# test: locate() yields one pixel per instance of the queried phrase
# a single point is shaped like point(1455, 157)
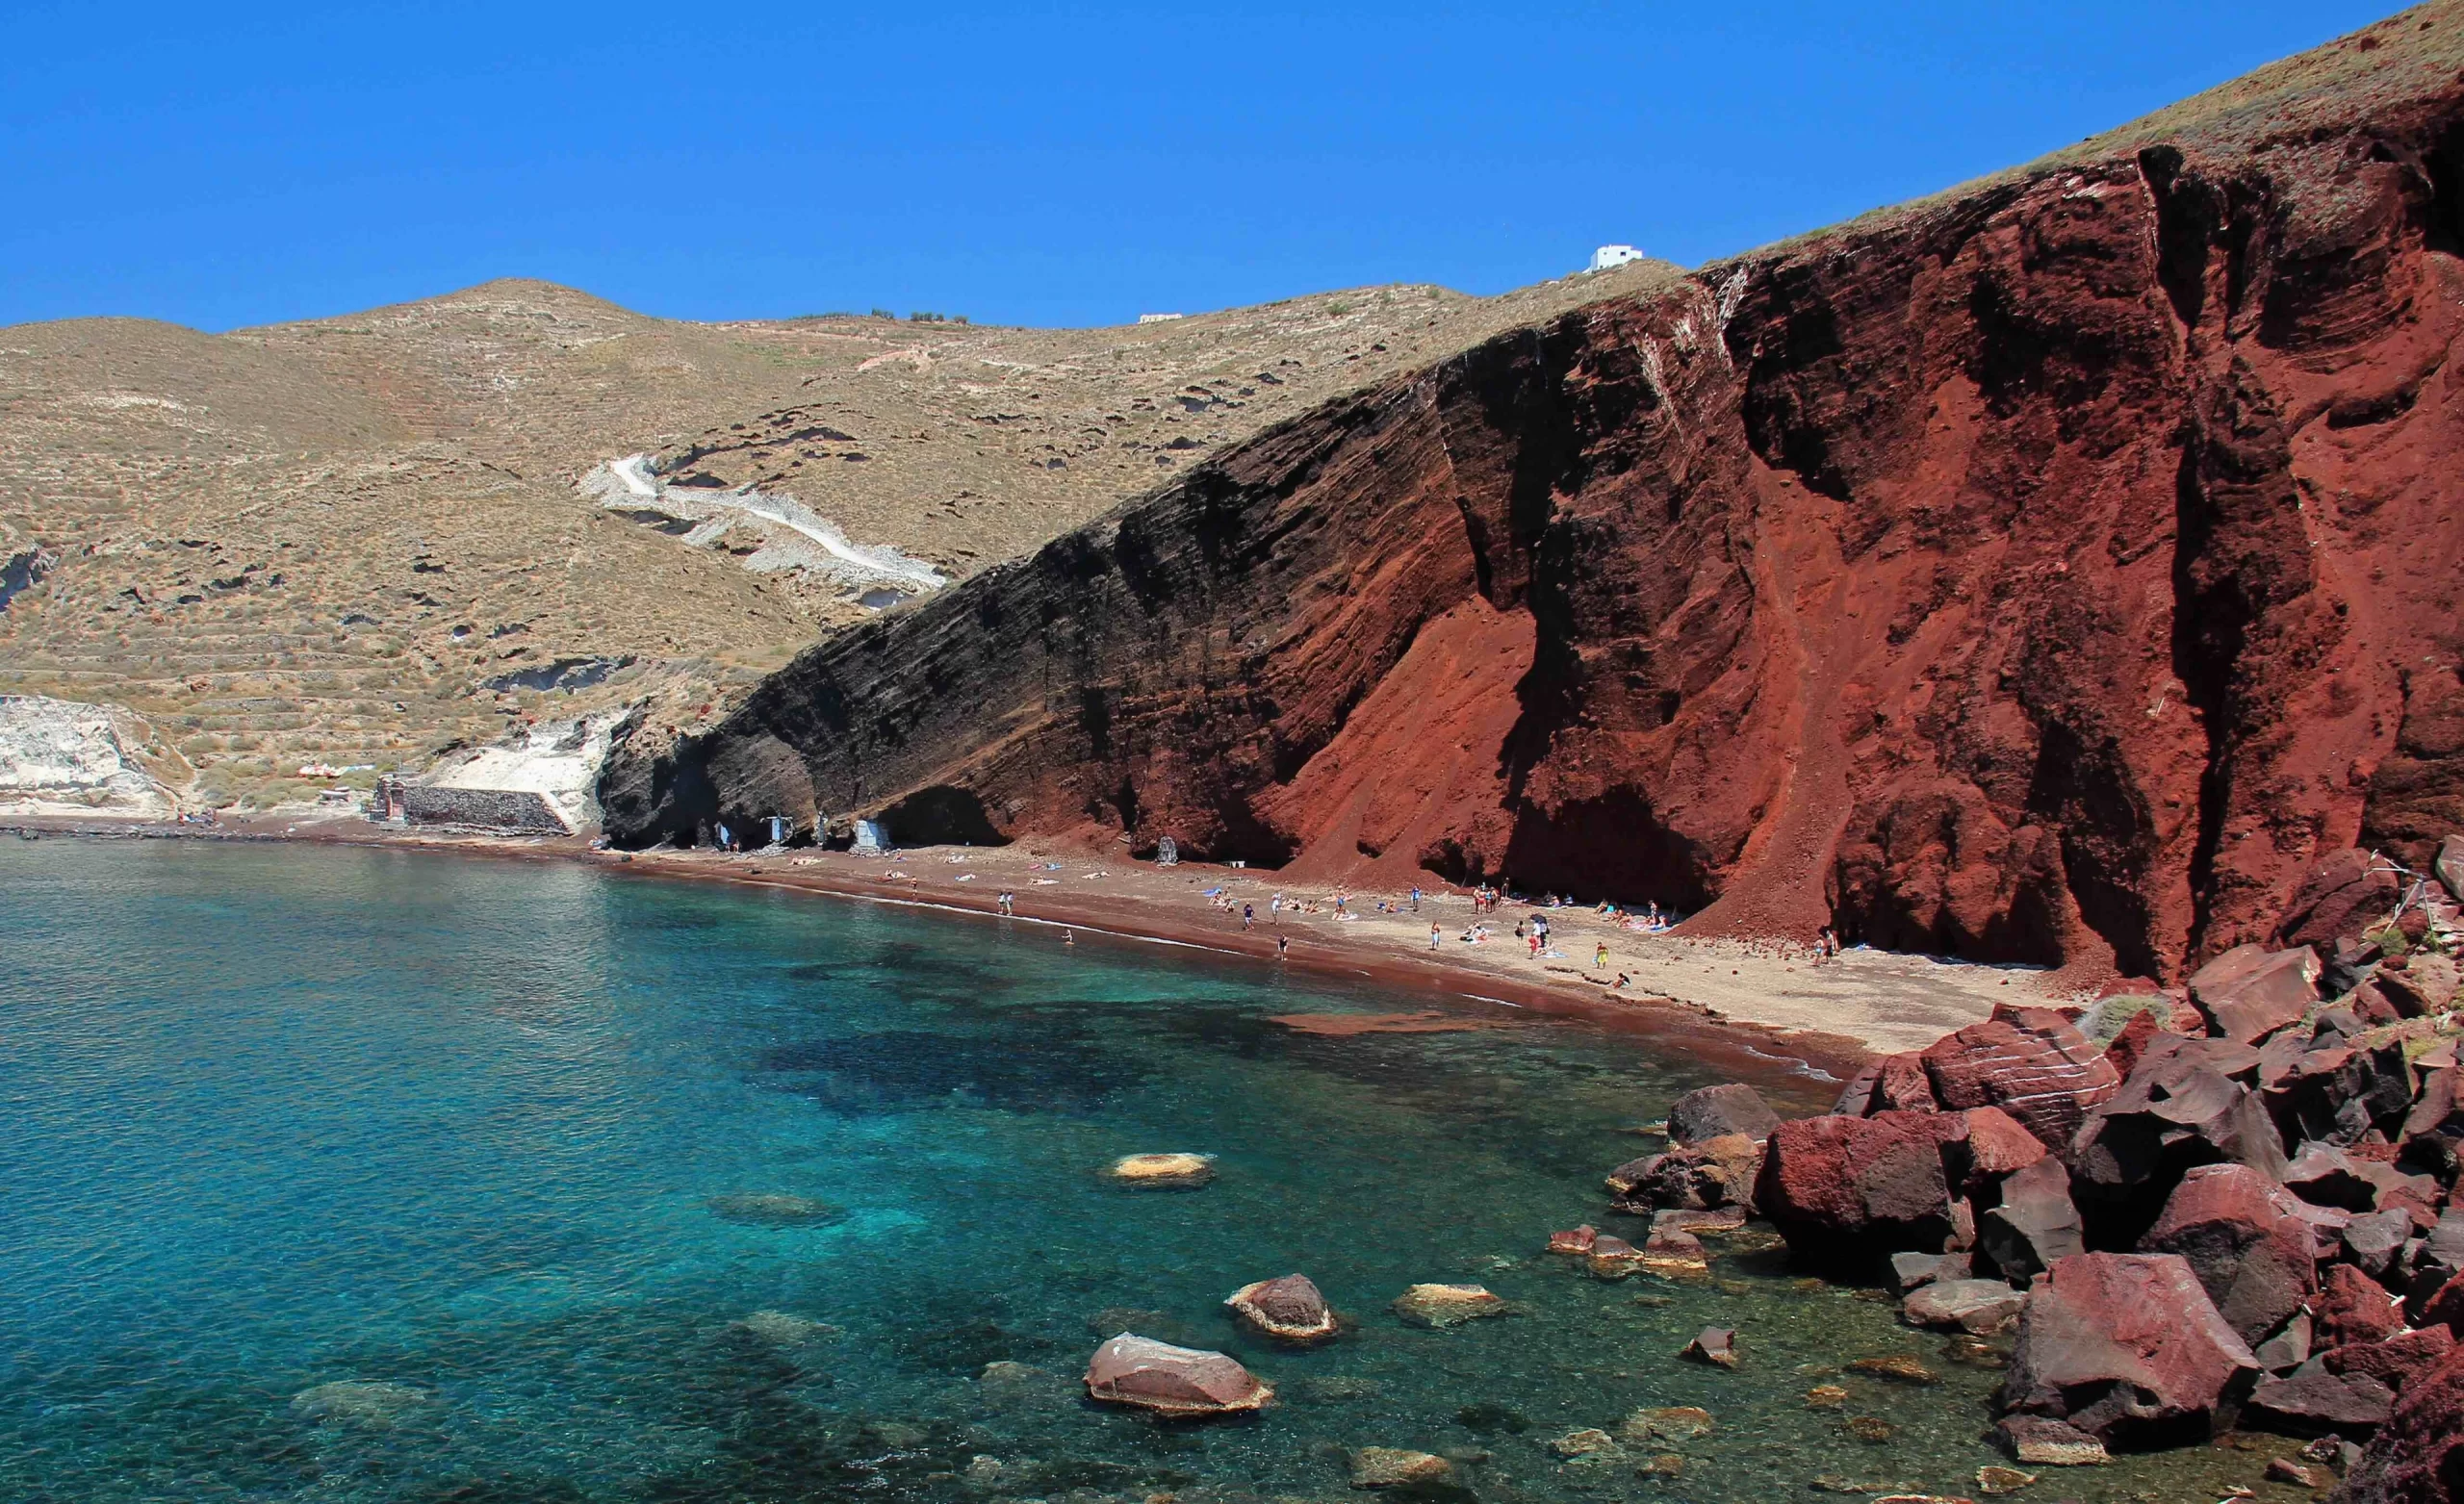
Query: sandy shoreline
point(1762, 1006)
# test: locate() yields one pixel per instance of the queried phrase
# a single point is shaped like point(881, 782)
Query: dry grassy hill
point(361, 539)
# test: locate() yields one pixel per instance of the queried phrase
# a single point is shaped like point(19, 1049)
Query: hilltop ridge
point(358, 541)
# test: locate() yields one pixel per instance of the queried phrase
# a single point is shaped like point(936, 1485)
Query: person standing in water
point(1282, 943)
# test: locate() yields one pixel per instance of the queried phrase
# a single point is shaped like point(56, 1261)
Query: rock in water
point(2126, 1348)
point(775, 1210)
point(1716, 1345)
point(1172, 1381)
point(1163, 1171)
point(1391, 1466)
point(1896, 1368)
point(1574, 1241)
point(1612, 1258)
point(367, 1404)
point(1850, 1191)
point(1442, 1306)
point(1980, 1306)
point(2039, 1442)
point(1715, 1111)
point(1288, 1309)
point(1668, 1423)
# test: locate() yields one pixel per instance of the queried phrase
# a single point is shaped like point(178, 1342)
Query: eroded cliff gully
point(2049, 573)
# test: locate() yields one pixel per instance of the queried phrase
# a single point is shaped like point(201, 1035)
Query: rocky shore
point(2230, 1204)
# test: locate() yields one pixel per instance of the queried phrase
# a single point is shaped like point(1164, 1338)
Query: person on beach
point(1600, 954)
point(1416, 898)
point(1274, 908)
point(1282, 943)
point(1248, 916)
point(1434, 934)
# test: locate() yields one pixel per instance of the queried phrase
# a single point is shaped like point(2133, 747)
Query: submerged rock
point(1667, 1423)
point(1897, 1369)
point(775, 1210)
point(1391, 1466)
point(1589, 1443)
point(1442, 1306)
point(784, 1329)
point(1163, 1171)
point(372, 1405)
point(1978, 1306)
point(1288, 1309)
point(1172, 1381)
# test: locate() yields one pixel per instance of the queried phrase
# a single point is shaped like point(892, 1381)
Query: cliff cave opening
point(941, 816)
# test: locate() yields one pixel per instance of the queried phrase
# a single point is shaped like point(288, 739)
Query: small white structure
point(1159, 318)
point(1609, 256)
point(872, 839)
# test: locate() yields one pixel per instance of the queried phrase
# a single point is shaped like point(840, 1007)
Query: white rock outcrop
point(556, 760)
point(62, 757)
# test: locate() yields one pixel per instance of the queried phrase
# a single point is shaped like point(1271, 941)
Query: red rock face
point(2052, 572)
point(2418, 1457)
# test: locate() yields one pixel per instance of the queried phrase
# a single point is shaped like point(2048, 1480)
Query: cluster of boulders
point(2232, 1200)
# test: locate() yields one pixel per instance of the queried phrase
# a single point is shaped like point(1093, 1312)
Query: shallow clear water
point(279, 1118)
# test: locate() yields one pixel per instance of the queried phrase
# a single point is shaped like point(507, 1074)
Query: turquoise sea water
point(458, 1136)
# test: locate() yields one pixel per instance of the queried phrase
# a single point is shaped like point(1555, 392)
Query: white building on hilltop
point(1609, 256)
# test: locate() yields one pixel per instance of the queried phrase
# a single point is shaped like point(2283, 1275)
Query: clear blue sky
point(1016, 163)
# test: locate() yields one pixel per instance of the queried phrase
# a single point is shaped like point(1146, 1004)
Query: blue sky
point(1025, 164)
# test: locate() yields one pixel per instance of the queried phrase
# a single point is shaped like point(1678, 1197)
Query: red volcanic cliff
point(2052, 571)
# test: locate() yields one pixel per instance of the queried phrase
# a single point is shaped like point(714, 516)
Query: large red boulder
point(2034, 1224)
point(1986, 1145)
point(2353, 1307)
point(2245, 1239)
point(2344, 893)
point(2128, 1348)
point(2184, 1105)
point(1172, 1381)
point(1850, 1190)
point(2395, 1362)
point(1894, 1084)
point(2250, 991)
point(2418, 1456)
point(2031, 1062)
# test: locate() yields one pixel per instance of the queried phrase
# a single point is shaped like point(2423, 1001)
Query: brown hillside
point(324, 541)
